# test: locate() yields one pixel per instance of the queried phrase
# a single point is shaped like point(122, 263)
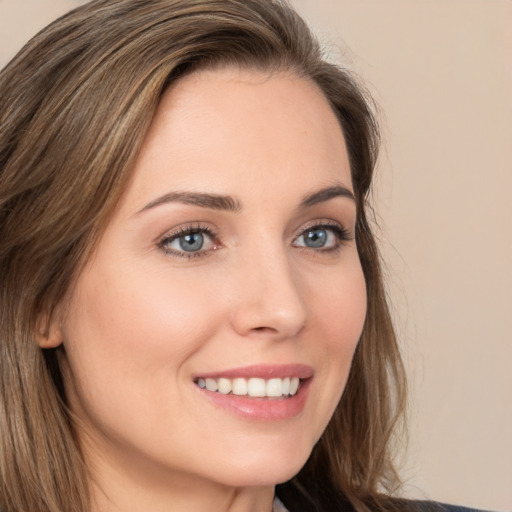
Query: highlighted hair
point(75, 105)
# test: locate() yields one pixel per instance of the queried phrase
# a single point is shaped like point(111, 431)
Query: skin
point(143, 319)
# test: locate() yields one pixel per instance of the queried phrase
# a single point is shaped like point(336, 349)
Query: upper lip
point(262, 371)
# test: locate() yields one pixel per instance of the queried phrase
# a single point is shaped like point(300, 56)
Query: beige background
point(441, 71)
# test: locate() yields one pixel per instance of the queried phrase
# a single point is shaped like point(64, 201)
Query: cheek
point(128, 339)
point(129, 335)
point(340, 308)
point(122, 313)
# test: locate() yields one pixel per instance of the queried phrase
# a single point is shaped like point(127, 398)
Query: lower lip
point(261, 409)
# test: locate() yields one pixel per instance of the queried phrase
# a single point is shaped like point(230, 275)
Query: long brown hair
point(75, 105)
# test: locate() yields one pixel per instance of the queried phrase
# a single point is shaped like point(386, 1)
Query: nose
point(268, 301)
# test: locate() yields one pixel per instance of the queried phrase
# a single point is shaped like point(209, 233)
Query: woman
point(192, 308)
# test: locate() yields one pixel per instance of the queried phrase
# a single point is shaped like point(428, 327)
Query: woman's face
point(228, 275)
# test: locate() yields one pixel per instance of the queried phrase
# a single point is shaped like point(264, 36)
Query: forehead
point(228, 129)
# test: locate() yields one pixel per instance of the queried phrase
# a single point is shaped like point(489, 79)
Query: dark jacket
point(296, 501)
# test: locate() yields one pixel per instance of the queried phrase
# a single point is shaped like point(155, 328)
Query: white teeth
point(254, 387)
point(239, 387)
point(211, 385)
point(286, 386)
point(294, 385)
point(274, 387)
point(224, 386)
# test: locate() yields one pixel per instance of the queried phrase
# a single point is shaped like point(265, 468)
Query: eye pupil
point(192, 242)
point(315, 238)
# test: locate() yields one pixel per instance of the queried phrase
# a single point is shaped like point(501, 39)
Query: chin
point(262, 477)
point(260, 469)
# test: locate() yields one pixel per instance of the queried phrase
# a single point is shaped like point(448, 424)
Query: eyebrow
point(212, 201)
point(230, 204)
point(325, 194)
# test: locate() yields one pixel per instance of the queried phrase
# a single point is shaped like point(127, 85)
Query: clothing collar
point(278, 506)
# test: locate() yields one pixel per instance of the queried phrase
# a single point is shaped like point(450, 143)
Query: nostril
point(264, 329)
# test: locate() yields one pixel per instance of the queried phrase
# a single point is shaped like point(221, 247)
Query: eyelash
point(342, 236)
point(184, 231)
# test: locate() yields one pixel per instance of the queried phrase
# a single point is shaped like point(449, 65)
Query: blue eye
point(192, 242)
point(316, 238)
point(188, 242)
point(323, 237)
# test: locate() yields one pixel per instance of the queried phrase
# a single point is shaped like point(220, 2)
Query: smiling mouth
point(253, 387)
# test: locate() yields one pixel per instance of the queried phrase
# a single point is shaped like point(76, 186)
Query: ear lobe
point(49, 332)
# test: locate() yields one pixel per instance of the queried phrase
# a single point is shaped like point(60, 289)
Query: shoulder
point(295, 498)
point(398, 506)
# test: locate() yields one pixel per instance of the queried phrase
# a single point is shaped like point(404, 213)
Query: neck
point(234, 500)
point(132, 490)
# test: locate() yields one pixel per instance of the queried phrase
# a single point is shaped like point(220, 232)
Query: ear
point(49, 331)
